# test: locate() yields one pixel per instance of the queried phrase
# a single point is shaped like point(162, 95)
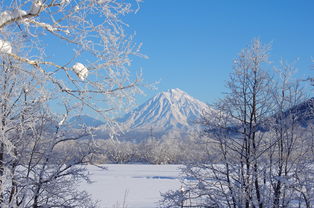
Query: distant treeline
point(152, 151)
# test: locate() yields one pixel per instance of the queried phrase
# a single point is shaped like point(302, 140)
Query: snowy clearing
point(138, 185)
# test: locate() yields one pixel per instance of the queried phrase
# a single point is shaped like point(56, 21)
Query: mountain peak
point(176, 90)
point(173, 95)
point(169, 110)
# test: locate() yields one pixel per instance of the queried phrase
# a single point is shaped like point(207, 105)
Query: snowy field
point(136, 186)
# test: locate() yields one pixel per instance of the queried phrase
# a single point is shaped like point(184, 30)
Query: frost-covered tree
point(260, 145)
point(119, 152)
point(48, 166)
point(288, 142)
point(90, 70)
point(94, 66)
point(152, 151)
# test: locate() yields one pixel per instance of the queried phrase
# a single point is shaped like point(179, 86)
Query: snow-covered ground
point(136, 186)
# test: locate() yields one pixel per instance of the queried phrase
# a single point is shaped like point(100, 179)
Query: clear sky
point(191, 43)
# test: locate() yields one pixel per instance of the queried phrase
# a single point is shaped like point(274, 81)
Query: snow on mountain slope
point(170, 110)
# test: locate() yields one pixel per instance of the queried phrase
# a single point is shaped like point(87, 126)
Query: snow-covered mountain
point(173, 112)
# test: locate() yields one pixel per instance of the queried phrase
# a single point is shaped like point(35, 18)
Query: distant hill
point(302, 113)
point(84, 120)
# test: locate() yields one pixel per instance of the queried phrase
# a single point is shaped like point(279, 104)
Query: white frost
point(103, 1)
point(65, 2)
point(76, 8)
point(5, 16)
point(18, 13)
point(47, 26)
point(80, 70)
point(36, 7)
point(10, 15)
point(62, 120)
point(5, 46)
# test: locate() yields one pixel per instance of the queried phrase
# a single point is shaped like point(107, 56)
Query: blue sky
point(191, 44)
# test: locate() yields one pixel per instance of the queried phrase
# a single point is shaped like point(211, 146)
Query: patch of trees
point(152, 151)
